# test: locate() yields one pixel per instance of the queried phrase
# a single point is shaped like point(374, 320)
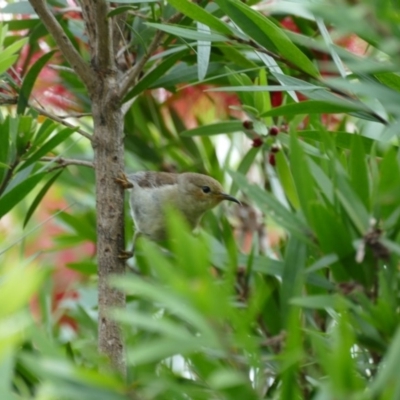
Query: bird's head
point(202, 191)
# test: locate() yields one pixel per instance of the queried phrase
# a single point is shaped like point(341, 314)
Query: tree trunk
point(109, 163)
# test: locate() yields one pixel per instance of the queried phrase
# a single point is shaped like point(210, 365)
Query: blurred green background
point(293, 107)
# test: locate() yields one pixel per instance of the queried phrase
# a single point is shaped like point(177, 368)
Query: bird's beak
point(226, 196)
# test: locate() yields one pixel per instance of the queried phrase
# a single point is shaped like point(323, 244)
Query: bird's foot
point(123, 181)
point(125, 255)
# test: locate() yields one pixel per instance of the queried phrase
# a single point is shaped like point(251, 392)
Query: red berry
point(248, 124)
point(271, 159)
point(275, 148)
point(274, 130)
point(257, 142)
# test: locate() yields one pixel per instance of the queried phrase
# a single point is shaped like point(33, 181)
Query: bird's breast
point(148, 209)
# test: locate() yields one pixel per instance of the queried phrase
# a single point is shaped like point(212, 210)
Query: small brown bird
point(190, 193)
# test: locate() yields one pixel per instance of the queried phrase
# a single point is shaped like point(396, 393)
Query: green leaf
point(292, 278)
point(45, 130)
point(324, 183)
point(323, 95)
point(329, 44)
point(132, 1)
point(184, 73)
point(236, 56)
point(65, 380)
point(318, 302)
point(314, 107)
point(388, 374)
point(8, 56)
point(58, 138)
point(171, 301)
point(266, 33)
point(333, 236)
point(7, 365)
point(243, 80)
point(40, 196)
point(151, 77)
point(389, 79)
point(3, 33)
point(157, 350)
point(203, 52)
point(82, 225)
point(29, 81)
point(13, 48)
point(286, 179)
point(6, 63)
point(18, 193)
point(86, 267)
point(187, 33)
point(197, 13)
point(302, 177)
point(4, 146)
point(163, 326)
point(351, 202)
point(358, 170)
point(244, 166)
point(215, 129)
point(342, 139)
point(268, 88)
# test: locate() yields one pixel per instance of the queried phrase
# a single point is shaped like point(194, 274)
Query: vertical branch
point(90, 25)
point(108, 147)
point(108, 160)
point(100, 33)
point(103, 43)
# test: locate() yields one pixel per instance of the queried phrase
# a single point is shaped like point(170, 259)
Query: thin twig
point(69, 9)
point(74, 115)
point(60, 120)
point(68, 161)
point(64, 44)
point(8, 100)
point(64, 162)
point(61, 68)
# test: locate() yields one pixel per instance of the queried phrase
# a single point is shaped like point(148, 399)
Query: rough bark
point(108, 160)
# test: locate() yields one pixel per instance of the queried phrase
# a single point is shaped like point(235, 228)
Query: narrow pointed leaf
point(215, 129)
point(48, 146)
point(203, 52)
point(18, 193)
point(314, 107)
point(159, 71)
point(29, 81)
point(40, 196)
point(266, 33)
point(188, 33)
point(197, 13)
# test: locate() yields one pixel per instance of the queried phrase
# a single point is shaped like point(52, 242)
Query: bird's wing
point(148, 179)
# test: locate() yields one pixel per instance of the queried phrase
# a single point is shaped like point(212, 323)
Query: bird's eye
point(206, 189)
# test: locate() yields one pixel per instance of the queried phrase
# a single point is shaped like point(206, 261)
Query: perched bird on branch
point(190, 193)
